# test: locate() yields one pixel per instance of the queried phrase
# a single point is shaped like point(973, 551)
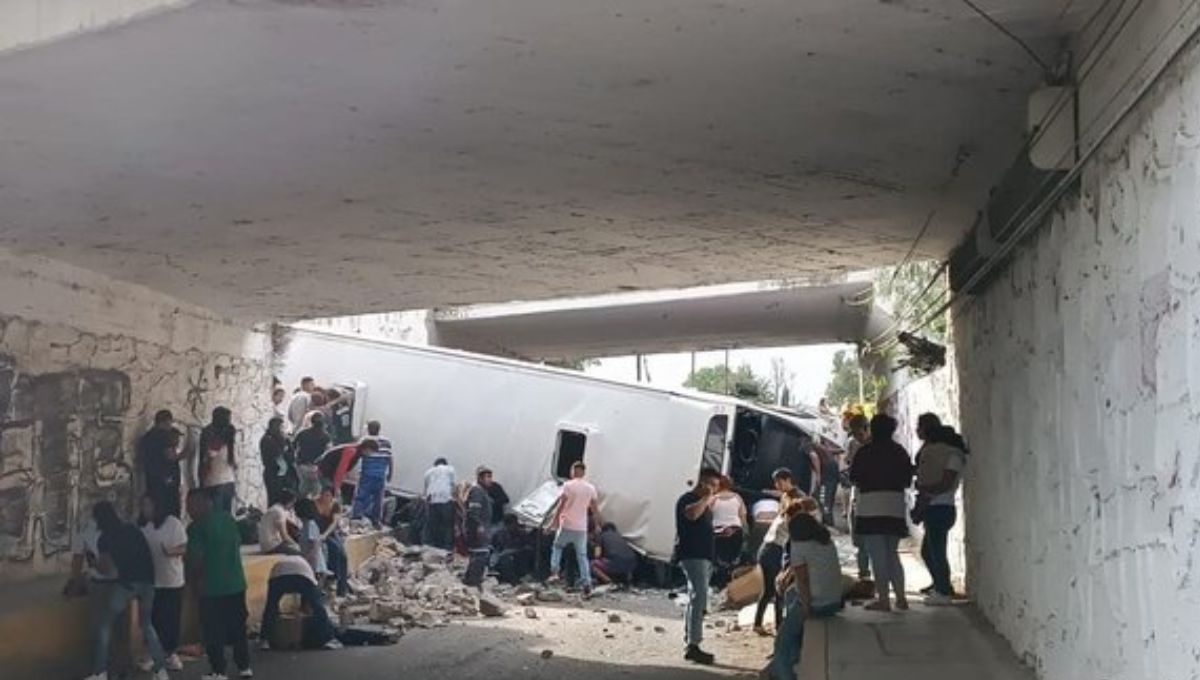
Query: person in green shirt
point(214, 559)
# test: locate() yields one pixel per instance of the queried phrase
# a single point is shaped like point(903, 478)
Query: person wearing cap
point(475, 528)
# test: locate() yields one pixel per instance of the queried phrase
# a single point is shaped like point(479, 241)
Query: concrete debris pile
point(409, 586)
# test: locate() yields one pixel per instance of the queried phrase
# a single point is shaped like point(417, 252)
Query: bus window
point(570, 450)
point(714, 444)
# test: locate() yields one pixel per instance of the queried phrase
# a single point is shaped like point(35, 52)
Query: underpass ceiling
point(302, 158)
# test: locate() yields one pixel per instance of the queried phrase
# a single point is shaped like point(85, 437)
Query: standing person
point(373, 429)
point(301, 400)
point(329, 514)
point(167, 539)
point(830, 479)
point(439, 499)
point(279, 408)
point(279, 466)
point(214, 559)
point(95, 580)
point(617, 560)
point(695, 549)
point(939, 473)
point(860, 435)
point(771, 552)
point(311, 443)
point(159, 454)
point(293, 574)
point(312, 545)
point(882, 472)
point(124, 551)
point(729, 526)
point(341, 416)
point(276, 526)
point(499, 498)
point(812, 588)
point(218, 461)
point(375, 472)
point(476, 528)
point(347, 481)
point(576, 499)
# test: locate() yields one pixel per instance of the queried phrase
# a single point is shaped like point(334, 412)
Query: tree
point(741, 382)
point(843, 384)
point(573, 364)
point(781, 380)
point(911, 293)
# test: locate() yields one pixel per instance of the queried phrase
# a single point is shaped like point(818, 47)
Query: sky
point(810, 365)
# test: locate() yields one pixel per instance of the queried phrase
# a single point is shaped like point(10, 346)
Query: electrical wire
point(1012, 36)
point(1099, 48)
point(1034, 217)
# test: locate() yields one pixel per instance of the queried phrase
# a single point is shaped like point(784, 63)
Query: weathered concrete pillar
point(85, 361)
point(1080, 396)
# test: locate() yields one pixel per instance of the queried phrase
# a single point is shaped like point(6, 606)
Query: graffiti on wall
point(62, 447)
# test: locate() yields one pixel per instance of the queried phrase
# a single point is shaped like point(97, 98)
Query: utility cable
point(1012, 36)
point(1034, 217)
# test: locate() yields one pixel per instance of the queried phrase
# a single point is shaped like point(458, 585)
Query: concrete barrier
point(44, 635)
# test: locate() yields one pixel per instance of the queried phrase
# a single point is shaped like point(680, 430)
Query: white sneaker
point(174, 663)
point(938, 600)
point(146, 665)
point(98, 676)
point(214, 676)
point(334, 644)
point(247, 673)
point(161, 674)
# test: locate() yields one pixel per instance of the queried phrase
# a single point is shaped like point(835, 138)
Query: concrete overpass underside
point(722, 317)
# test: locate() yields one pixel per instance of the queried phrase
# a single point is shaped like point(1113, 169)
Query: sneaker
point(697, 655)
point(265, 645)
point(214, 676)
point(938, 600)
point(174, 663)
point(927, 590)
point(334, 644)
point(902, 604)
point(161, 674)
point(145, 665)
point(97, 676)
point(246, 673)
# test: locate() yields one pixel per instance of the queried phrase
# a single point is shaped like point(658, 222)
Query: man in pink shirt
point(575, 500)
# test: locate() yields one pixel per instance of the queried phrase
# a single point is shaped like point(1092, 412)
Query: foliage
point(741, 382)
point(843, 384)
point(903, 291)
point(573, 364)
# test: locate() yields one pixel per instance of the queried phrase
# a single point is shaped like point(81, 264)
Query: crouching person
point(812, 588)
point(293, 574)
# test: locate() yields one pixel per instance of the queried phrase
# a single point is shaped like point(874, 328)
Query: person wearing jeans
point(576, 501)
point(813, 589)
point(123, 550)
point(882, 473)
point(695, 549)
point(293, 574)
point(939, 519)
point(939, 471)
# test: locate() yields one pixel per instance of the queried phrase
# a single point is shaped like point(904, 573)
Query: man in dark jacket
point(159, 455)
point(475, 529)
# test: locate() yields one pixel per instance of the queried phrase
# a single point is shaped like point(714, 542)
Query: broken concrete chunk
point(490, 606)
point(526, 599)
point(551, 595)
point(531, 613)
point(614, 618)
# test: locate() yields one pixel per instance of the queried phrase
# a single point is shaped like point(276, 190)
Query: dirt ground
point(585, 641)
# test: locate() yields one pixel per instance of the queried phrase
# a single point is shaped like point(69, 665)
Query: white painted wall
point(414, 326)
point(1080, 395)
point(25, 23)
point(85, 361)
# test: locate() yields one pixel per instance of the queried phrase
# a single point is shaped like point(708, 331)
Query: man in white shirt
point(298, 406)
point(293, 574)
point(273, 535)
point(439, 496)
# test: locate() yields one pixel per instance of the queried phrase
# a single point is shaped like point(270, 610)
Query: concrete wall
point(414, 326)
point(84, 363)
point(1080, 395)
point(25, 23)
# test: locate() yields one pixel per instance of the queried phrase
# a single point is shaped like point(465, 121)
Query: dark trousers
point(770, 560)
point(223, 620)
point(310, 597)
point(168, 607)
point(729, 553)
point(829, 487)
point(939, 519)
point(166, 496)
point(439, 528)
point(339, 563)
point(222, 496)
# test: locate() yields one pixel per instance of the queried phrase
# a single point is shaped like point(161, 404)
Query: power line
point(1012, 36)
